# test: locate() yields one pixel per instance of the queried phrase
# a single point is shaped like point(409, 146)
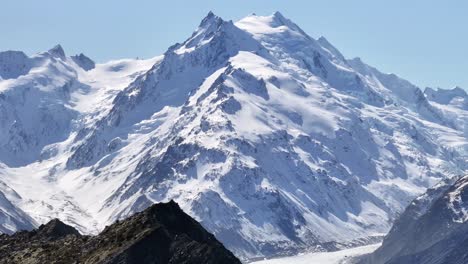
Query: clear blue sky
point(423, 41)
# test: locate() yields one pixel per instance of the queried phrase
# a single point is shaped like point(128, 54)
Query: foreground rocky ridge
point(432, 230)
point(163, 233)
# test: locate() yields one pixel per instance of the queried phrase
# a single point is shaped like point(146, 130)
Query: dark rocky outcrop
point(163, 233)
point(84, 62)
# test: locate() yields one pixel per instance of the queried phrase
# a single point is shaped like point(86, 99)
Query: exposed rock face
point(13, 64)
point(84, 62)
point(163, 233)
point(432, 230)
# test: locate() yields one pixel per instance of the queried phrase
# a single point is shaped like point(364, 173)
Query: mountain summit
point(271, 139)
point(57, 51)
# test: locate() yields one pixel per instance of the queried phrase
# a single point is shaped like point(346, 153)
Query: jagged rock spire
point(57, 51)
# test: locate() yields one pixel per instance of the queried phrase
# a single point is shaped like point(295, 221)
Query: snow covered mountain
point(432, 230)
point(49, 100)
point(270, 138)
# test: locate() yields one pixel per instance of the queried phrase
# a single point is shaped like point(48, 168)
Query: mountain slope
point(432, 230)
point(40, 110)
point(162, 233)
point(12, 218)
point(270, 138)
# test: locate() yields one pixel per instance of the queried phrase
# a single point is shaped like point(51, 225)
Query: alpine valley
point(271, 139)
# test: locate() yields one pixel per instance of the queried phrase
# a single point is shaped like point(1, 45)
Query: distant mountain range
point(271, 139)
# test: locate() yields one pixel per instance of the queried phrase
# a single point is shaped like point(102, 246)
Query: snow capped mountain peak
point(278, 15)
point(57, 51)
point(205, 31)
point(448, 100)
point(278, 20)
point(210, 19)
point(274, 23)
point(270, 138)
point(14, 64)
point(215, 31)
point(210, 23)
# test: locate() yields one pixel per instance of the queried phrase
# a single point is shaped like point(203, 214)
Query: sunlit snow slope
point(270, 138)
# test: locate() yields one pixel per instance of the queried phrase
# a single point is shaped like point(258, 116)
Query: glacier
point(272, 139)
